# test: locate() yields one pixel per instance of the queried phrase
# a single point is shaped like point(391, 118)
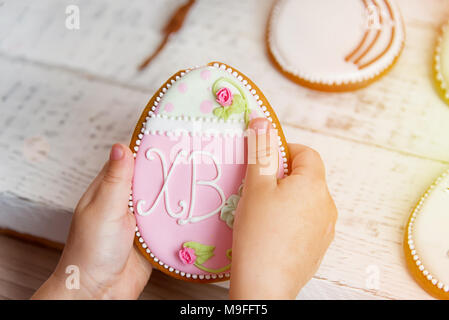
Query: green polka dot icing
point(194, 90)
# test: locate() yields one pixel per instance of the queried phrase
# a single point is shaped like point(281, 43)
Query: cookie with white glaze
point(190, 160)
point(335, 45)
point(441, 65)
point(426, 242)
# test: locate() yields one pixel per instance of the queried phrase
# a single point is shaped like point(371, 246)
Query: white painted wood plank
point(56, 130)
point(24, 267)
point(375, 191)
point(374, 188)
point(113, 38)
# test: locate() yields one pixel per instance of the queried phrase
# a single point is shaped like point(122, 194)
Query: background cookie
point(441, 66)
point(186, 183)
point(426, 241)
point(335, 45)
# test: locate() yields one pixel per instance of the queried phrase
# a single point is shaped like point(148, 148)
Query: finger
point(263, 153)
point(306, 161)
point(112, 194)
point(91, 189)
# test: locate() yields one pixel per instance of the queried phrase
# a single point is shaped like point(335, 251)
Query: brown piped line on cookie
point(376, 37)
point(362, 42)
point(390, 43)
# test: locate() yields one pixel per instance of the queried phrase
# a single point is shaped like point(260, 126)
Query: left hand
point(100, 242)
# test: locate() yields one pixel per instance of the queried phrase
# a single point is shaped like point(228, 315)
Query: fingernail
point(116, 152)
point(260, 125)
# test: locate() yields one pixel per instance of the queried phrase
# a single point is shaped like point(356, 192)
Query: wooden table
point(67, 95)
point(25, 266)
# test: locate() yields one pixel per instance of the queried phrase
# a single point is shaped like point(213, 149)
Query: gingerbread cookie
point(441, 66)
point(190, 162)
point(426, 242)
point(335, 45)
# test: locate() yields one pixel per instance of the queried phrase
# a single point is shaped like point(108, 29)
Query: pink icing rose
point(224, 97)
point(187, 255)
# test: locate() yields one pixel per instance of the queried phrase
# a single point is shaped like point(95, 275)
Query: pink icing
point(224, 97)
point(187, 255)
point(205, 74)
point(161, 232)
point(168, 107)
point(206, 106)
point(182, 87)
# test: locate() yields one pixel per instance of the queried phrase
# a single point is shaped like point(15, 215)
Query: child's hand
point(100, 242)
point(282, 228)
point(281, 232)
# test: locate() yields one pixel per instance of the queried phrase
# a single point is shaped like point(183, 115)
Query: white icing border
point(438, 74)
point(143, 132)
point(353, 78)
point(158, 123)
point(411, 244)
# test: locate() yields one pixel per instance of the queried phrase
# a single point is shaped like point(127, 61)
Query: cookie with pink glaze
point(190, 161)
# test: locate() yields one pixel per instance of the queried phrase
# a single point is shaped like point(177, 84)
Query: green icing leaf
point(202, 252)
point(227, 113)
point(238, 104)
point(247, 116)
point(218, 112)
point(216, 85)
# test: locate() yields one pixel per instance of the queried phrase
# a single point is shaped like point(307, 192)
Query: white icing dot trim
point(174, 125)
point(193, 119)
point(437, 66)
point(413, 252)
point(144, 131)
point(206, 134)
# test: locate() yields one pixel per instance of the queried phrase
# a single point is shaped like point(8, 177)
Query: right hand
point(282, 227)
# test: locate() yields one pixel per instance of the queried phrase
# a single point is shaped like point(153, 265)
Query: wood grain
point(24, 267)
point(67, 96)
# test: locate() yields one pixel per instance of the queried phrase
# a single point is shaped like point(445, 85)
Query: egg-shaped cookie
point(426, 242)
point(190, 149)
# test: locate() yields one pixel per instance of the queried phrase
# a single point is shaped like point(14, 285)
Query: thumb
point(263, 153)
point(112, 195)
